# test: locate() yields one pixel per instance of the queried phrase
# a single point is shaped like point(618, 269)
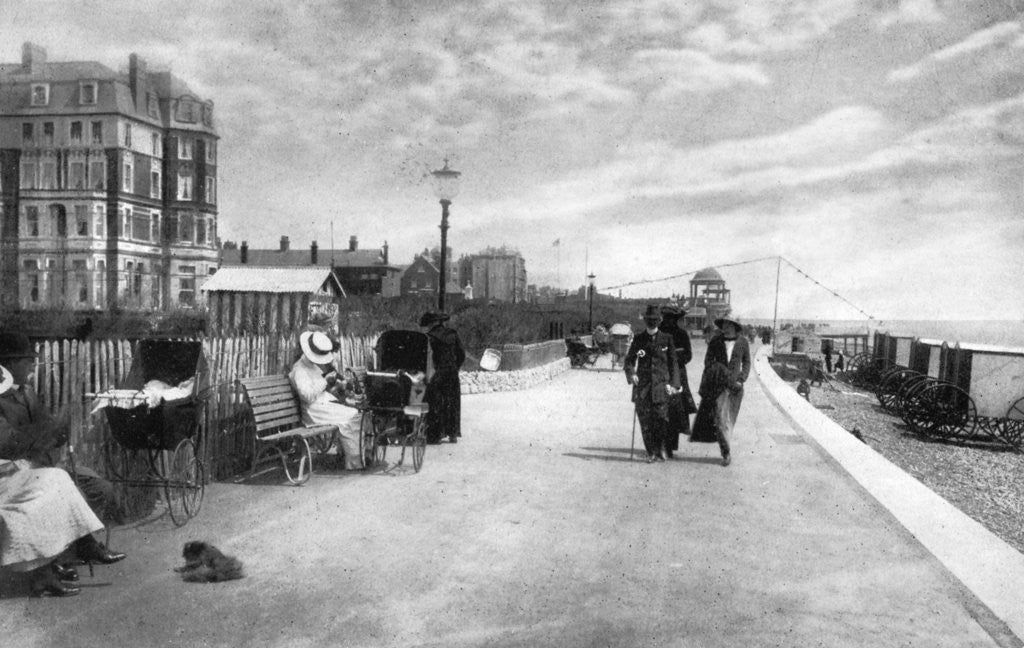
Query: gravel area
point(985, 481)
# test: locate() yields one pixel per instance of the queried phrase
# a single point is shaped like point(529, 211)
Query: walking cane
point(632, 441)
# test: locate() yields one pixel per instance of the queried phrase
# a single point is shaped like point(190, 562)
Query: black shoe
point(45, 583)
point(726, 460)
point(66, 574)
point(92, 551)
point(650, 458)
point(453, 439)
point(669, 454)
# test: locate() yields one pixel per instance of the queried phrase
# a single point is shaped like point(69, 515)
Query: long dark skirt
point(705, 425)
point(678, 421)
point(444, 395)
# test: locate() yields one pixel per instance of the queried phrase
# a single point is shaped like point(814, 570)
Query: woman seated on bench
point(43, 514)
point(313, 376)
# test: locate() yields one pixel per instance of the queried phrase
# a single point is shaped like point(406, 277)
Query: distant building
point(709, 299)
point(108, 183)
point(360, 272)
point(495, 274)
point(422, 277)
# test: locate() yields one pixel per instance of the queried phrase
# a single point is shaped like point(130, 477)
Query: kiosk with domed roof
point(709, 299)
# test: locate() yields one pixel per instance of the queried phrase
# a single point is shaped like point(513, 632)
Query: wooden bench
point(280, 432)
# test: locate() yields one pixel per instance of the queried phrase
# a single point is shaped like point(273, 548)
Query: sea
point(1004, 333)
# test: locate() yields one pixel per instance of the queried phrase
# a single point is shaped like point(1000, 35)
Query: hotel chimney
point(284, 243)
point(313, 253)
point(243, 252)
point(353, 243)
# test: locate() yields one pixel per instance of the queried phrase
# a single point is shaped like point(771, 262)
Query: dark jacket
point(446, 348)
point(657, 367)
point(738, 367)
point(28, 431)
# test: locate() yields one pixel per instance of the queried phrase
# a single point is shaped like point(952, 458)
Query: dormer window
point(186, 110)
point(40, 94)
point(152, 105)
point(87, 92)
point(208, 114)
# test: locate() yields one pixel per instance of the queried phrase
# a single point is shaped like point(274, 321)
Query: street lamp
point(446, 187)
point(590, 290)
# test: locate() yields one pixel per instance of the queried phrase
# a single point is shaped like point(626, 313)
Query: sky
point(874, 145)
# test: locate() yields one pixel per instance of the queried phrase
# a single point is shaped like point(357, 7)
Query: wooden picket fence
point(70, 373)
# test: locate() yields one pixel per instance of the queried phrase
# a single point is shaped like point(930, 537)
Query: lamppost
point(446, 187)
point(590, 291)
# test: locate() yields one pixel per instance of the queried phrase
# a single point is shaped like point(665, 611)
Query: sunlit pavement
point(540, 528)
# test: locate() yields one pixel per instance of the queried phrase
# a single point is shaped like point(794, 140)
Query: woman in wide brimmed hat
point(444, 391)
point(726, 367)
point(312, 376)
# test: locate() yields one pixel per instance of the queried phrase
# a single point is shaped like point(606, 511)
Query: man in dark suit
point(652, 368)
point(444, 393)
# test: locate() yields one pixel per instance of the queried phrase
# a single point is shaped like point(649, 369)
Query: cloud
point(911, 12)
point(668, 73)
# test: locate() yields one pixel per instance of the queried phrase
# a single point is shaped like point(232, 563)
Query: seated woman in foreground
point(42, 515)
point(313, 376)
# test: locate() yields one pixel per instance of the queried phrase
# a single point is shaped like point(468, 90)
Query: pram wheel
point(418, 440)
point(185, 484)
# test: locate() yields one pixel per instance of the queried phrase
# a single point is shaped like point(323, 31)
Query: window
point(184, 148)
point(208, 114)
point(211, 190)
point(27, 134)
point(184, 184)
point(40, 94)
point(31, 220)
point(76, 132)
point(155, 178)
point(49, 169)
point(172, 225)
point(87, 92)
point(81, 270)
point(156, 145)
point(152, 105)
point(98, 175)
point(187, 285)
point(76, 174)
point(128, 169)
point(97, 132)
point(101, 281)
point(140, 270)
point(200, 231)
point(187, 109)
point(126, 223)
point(140, 226)
point(47, 133)
point(155, 229)
point(129, 270)
point(31, 267)
point(100, 220)
point(187, 227)
point(211, 151)
point(81, 220)
point(128, 135)
point(28, 175)
point(59, 220)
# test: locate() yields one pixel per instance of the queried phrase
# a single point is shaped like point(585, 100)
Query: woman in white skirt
point(309, 377)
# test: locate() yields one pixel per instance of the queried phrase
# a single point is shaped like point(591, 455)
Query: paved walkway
point(539, 529)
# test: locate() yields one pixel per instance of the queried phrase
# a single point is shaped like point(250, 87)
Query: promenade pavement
point(540, 528)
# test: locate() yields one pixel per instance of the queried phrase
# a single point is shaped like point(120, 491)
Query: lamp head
point(446, 182)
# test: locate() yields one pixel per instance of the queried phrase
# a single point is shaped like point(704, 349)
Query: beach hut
point(272, 299)
point(926, 356)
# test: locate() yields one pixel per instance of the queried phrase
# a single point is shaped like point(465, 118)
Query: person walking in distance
point(444, 393)
point(652, 368)
point(680, 405)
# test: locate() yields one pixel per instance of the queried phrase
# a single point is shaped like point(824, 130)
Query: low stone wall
point(515, 357)
point(479, 382)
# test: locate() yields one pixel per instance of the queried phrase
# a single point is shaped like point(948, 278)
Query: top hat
point(317, 346)
point(652, 313)
point(430, 318)
point(735, 322)
point(14, 346)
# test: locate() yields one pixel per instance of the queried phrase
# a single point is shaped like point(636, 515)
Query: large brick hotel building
point(108, 183)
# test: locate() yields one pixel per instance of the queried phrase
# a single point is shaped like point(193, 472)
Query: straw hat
point(6, 380)
point(318, 347)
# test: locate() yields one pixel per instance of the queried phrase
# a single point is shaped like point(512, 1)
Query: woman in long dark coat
point(680, 405)
point(444, 393)
point(726, 367)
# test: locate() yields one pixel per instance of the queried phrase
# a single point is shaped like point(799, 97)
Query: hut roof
point(707, 274)
point(271, 279)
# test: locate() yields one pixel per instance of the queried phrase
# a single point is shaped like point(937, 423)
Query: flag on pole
point(557, 242)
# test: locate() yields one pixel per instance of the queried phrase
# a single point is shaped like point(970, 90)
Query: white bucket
point(490, 360)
